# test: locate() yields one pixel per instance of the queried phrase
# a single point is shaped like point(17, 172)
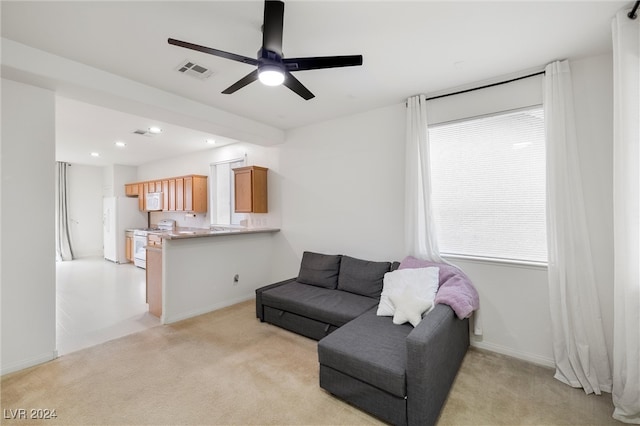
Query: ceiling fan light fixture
point(270, 75)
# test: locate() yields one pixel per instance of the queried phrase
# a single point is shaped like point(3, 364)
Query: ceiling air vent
point(141, 132)
point(192, 69)
point(151, 131)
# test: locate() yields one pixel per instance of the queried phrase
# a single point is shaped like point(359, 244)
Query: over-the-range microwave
point(153, 201)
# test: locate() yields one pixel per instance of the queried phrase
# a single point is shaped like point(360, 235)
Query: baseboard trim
point(89, 254)
point(525, 356)
point(29, 362)
point(169, 319)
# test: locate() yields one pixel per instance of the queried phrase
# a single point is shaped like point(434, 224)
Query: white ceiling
point(83, 128)
point(408, 48)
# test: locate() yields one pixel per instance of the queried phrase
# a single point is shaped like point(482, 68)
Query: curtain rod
point(632, 14)
point(487, 85)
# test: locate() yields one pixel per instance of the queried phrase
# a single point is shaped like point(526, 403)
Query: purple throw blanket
point(455, 288)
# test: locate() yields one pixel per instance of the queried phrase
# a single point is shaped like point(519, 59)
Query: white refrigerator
point(118, 215)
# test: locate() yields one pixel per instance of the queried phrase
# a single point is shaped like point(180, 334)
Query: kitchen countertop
point(215, 231)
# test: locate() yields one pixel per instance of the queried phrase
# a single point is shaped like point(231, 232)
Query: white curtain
point(626, 218)
point(420, 232)
point(63, 238)
point(579, 346)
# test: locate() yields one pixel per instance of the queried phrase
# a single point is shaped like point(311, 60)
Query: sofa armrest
point(435, 350)
point(259, 311)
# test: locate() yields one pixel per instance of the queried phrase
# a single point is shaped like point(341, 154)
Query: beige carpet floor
point(227, 368)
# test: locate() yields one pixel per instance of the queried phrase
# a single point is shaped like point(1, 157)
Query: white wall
point(115, 176)
point(342, 184)
point(198, 272)
point(28, 239)
point(85, 209)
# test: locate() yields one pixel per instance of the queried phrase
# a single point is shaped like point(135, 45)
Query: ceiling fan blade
point(314, 63)
point(294, 84)
point(215, 52)
point(273, 26)
point(249, 78)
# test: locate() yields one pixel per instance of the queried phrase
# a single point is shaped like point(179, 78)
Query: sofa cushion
point(333, 307)
point(319, 269)
point(371, 349)
point(362, 276)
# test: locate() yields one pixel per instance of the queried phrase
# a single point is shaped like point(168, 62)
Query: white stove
point(140, 241)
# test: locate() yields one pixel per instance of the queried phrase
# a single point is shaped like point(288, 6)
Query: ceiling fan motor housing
point(268, 57)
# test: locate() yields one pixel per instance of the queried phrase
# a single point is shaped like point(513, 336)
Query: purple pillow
point(455, 288)
point(446, 271)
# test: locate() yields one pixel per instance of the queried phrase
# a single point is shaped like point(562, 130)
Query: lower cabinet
point(128, 246)
point(154, 280)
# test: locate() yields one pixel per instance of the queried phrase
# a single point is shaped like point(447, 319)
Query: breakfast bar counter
point(184, 233)
point(207, 269)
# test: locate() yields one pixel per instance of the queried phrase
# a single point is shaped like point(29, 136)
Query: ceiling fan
point(272, 68)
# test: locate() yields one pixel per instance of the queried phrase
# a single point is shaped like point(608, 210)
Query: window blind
point(488, 186)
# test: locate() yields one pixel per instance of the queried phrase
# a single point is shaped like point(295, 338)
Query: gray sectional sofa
point(397, 373)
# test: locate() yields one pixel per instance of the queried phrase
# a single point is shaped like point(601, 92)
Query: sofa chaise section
point(398, 373)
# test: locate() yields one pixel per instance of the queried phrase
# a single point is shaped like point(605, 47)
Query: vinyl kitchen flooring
point(97, 301)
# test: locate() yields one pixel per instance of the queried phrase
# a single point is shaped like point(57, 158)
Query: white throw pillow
point(409, 308)
point(420, 283)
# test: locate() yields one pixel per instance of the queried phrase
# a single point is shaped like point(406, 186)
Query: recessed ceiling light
point(95, 154)
point(155, 130)
point(120, 144)
point(211, 141)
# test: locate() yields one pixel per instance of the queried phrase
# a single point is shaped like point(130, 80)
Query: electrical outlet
point(236, 279)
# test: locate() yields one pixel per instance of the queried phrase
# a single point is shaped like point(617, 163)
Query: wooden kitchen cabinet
point(185, 193)
point(195, 194)
point(188, 193)
point(250, 184)
point(131, 190)
point(141, 196)
point(154, 279)
point(129, 246)
point(172, 195)
point(179, 194)
point(165, 195)
point(154, 240)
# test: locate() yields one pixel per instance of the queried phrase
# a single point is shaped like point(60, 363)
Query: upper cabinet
point(195, 194)
point(131, 190)
point(250, 189)
point(184, 193)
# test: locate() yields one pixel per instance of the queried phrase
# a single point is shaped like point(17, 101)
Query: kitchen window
point(222, 193)
point(488, 186)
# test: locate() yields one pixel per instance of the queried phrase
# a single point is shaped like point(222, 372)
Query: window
point(488, 186)
point(222, 193)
